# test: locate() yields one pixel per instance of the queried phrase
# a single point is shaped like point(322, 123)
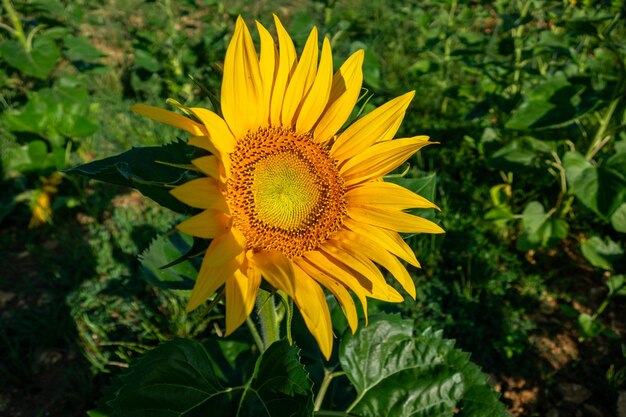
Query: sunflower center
point(285, 192)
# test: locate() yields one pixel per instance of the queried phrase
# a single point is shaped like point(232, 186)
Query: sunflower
point(286, 197)
point(41, 203)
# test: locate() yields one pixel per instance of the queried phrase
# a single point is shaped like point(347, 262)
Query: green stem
point(288, 306)
point(266, 310)
point(602, 307)
point(18, 31)
point(255, 334)
point(606, 301)
point(599, 140)
point(517, 34)
point(328, 376)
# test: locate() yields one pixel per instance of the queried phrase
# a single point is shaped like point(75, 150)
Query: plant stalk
point(328, 376)
point(599, 140)
point(266, 310)
point(18, 30)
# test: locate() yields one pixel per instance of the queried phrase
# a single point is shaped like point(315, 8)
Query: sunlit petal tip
point(240, 21)
point(169, 118)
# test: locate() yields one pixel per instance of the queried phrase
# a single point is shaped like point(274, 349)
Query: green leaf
point(182, 378)
point(588, 326)
point(79, 48)
point(602, 254)
point(396, 373)
point(602, 189)
point(522, 152)
point(549, 104)
point(51, 7)
point(499, 213)
point(39, 62)
point(144, 60)
point(617, 285)
point(55, 114)
point(540, 230)
point(162, 251)
point(618, 218)
point(37, 152)
point(144, 169)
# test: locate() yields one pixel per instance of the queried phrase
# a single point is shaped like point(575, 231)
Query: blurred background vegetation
point(527, 100)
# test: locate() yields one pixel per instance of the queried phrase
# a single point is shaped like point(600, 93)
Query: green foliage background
point(525, 97)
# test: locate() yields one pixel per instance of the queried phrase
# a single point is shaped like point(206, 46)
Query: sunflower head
point(286, 196)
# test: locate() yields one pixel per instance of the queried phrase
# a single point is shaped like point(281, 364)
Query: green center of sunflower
point(285, 192)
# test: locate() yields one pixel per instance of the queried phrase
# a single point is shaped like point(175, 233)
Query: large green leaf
point(396, 373)
point(55, 114)
point(555, 102)
point(184, 378)
point(602, 189)
point(38, 62)
point(518, 153)
point(148, 169)
point(34, 156)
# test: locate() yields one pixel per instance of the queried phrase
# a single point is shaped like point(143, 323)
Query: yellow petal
point(339, 291)
point(356, 242)
point(393, 220)
point(219, 134)
point(223, 160)
point(287, 60)
point(220, 262)
point(224, 248)
point(380, 159)
point(208, 165)
point(203, 193)
point(310, 299)
point(242, 89)
point(386, 195)
point(344, 93)
point(203, 142)
point(282, 274)
point(169, 118)
point(378, 125)
point(268, 64)
point(208, 225)
point(364, 266)
point(241, 290)
point(336, 271)
point(388, 239)
point(301, 81)
point(316, 100)
point(218, 130)
point(276, 268)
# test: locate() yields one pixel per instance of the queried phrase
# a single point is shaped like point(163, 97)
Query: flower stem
point(266, 310)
